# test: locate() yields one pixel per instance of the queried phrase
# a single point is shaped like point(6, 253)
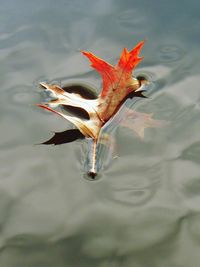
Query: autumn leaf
point(118, 84)
point(117, 80)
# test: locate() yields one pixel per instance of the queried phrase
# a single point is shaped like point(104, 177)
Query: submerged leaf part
point(138, 122)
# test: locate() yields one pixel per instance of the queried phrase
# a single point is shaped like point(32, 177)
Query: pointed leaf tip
point(106, 70)
point(97, 63)
point(136, 50)
point(50, 109)
point(129, 60)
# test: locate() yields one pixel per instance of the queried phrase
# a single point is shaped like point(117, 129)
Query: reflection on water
point(144, 211)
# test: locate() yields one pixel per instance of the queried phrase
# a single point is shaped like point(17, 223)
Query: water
point(144, 211)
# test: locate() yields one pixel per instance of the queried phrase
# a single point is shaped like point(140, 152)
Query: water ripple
point(131, 20)
point(170, 53)
point(139, 189)
point(194, 227)
point(191, 153)
point(186, 182)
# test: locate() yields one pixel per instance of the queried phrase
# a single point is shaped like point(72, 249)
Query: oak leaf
point(118, 84)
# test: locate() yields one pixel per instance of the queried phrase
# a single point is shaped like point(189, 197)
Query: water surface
point(144, 211)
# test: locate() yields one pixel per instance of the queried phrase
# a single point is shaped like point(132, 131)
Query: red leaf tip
point(113, 75)
point(129, 60)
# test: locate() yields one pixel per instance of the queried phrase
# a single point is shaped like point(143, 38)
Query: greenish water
point(145, 209)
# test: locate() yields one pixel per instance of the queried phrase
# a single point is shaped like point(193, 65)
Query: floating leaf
point(118, 85)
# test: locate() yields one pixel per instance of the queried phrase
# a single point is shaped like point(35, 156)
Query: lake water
point(145, 209)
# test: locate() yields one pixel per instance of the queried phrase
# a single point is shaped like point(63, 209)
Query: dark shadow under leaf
point(79, 112)
point(84, 91)
point(64, 137)
point(136, 94)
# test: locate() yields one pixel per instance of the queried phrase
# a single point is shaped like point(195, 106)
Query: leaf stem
point(93, 172)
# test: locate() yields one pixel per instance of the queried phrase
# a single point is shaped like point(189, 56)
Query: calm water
point(145, 209)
